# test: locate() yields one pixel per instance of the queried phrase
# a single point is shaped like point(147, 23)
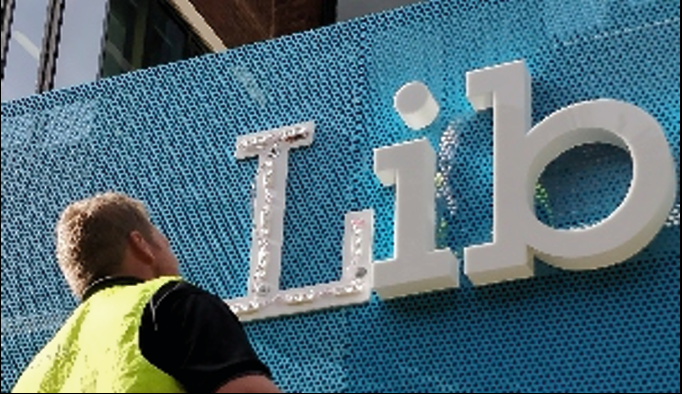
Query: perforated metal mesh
point(166, 135)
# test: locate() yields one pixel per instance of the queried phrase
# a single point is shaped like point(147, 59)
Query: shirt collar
point(107, 282)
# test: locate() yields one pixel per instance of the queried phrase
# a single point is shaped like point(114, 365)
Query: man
point(139, 327)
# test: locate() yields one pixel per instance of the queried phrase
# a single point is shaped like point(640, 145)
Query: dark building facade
point(48, 44)
point(51, 44)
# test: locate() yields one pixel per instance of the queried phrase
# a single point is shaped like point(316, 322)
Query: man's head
point(110, 234)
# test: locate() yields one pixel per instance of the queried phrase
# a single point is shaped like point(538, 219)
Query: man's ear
point(140, 246)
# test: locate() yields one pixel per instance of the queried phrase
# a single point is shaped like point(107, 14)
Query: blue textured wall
point(166, 135)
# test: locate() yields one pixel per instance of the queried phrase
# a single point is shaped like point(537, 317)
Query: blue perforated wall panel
point(166, 135)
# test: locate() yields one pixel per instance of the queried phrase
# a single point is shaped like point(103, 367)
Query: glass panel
point(121, 36)
point(23, 54)
point(143, 34)
point(195, 47)
point(81, 41)
point(165, 37)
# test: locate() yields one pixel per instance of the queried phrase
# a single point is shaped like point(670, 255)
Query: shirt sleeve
point(194, 337)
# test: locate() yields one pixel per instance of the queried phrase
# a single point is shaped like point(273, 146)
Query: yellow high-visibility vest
point(97, 350)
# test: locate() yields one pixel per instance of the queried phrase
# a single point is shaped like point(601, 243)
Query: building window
point(145, 33)
point(23, 29)
point(80, 42)
point(50, 44)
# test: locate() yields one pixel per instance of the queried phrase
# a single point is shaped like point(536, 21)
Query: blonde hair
point(92, 235)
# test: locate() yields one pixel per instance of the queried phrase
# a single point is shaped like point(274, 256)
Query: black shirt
point(192, 336)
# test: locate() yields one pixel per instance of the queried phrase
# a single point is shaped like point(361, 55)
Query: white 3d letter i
point(522, 153)
point(416, 266)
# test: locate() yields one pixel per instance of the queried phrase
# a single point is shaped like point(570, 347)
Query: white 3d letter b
point(521, 156)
